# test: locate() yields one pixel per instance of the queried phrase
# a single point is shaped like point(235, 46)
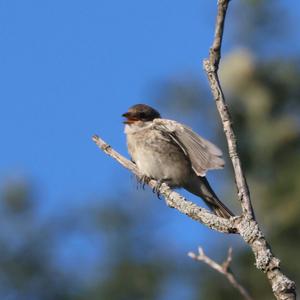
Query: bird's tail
point(202, 188)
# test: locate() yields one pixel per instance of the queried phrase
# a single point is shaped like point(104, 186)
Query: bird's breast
point(157, 156)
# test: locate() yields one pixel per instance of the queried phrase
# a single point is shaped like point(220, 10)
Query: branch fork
point(246, 225)
point(223, 269)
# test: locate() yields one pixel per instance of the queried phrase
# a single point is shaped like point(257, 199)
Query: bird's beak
point(129, 118)
point(126, 115)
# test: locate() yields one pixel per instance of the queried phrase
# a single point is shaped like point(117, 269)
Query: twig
point(246, 225)
point(211, 66)
point(223, 268)
point(172, 198)
point(215, 50)
point(283, 288)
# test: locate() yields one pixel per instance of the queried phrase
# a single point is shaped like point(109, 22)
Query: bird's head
point(140, 113)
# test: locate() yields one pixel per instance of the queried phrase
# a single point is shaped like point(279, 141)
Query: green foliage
point(102, 250)
point(263, 94)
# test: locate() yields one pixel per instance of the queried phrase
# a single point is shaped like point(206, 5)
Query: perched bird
point(170, 152)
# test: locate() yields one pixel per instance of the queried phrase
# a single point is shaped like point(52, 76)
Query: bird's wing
point(203, 154)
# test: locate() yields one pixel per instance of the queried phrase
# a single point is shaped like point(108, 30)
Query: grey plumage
point(203, 154)
point(173, 153)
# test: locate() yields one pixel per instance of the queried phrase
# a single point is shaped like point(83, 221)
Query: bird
point(172, 153)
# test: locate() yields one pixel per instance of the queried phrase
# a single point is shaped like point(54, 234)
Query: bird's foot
point(157, 188)
point(143, 180)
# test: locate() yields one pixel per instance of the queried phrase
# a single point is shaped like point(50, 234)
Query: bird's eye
point(142, 115)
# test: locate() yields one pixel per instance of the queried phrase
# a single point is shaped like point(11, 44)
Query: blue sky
point(69, 69)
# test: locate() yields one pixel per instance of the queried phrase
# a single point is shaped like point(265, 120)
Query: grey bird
point(170, 152)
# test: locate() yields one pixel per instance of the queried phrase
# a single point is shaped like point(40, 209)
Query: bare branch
point(282, 286)
point(246, 225)
point(211, 66)
point(215, 50)
point(172, 198)
point(223, 268)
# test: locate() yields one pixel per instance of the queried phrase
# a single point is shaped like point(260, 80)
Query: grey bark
point(246, 224)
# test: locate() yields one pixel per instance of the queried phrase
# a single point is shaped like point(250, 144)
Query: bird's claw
point(143, 180)
point(156, 189)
